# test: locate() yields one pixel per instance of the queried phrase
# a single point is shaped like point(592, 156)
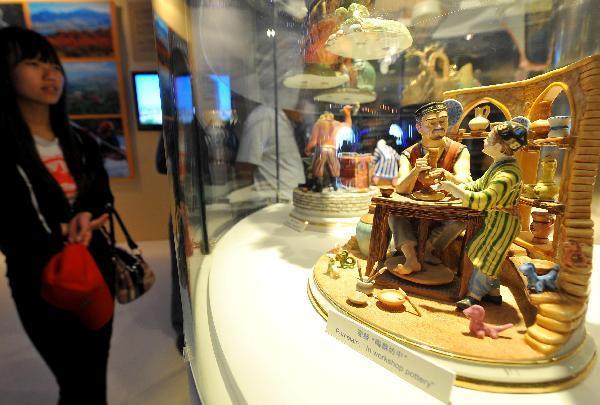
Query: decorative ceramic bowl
point(386, 191)
point(358, 298)
point(392, 298)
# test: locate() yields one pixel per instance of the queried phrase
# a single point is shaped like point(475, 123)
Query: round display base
point(440, 333)
point(369, 45)
point(347, 96)
point(315, 82)
point(328, 210)
point(323, 224)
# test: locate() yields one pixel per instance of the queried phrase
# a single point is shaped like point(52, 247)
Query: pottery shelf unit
point(574, 228)
point(461, 135)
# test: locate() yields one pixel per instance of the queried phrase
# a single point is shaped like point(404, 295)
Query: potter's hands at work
point(454, 189)
point(443, 174)
point(422, 167)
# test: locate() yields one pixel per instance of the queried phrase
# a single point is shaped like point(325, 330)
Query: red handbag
point(72, 281)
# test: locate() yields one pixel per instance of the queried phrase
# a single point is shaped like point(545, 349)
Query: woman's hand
point(452, 188)
point(82, 225)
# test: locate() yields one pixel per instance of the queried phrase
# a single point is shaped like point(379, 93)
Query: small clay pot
point(541, 227)
point(540, 128)
point(364, 286)
point(386, 191)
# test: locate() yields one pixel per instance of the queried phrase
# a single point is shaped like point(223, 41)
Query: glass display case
point(245, 85)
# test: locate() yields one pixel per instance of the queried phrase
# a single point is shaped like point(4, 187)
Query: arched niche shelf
point(550, 93)
point(484, 100)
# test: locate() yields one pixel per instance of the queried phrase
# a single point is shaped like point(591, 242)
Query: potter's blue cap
point(455, 110)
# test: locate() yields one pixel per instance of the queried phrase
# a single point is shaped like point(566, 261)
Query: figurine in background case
point(385, 164)
point(453, 164)
point(497, 193)
point(322, 144)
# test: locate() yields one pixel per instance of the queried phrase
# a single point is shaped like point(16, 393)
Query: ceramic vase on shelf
point(541, 226)
point(546, 189)
point(541, 126)
point(480, 122)
point(559, 126)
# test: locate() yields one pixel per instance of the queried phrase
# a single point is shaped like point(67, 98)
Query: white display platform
point(258, 340)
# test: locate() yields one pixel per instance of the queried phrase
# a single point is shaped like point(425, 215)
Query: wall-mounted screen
point(147, 100)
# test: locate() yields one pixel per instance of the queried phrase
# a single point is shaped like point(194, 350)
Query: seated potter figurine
point(415, 173)
point(322, 144)
point(497, 194)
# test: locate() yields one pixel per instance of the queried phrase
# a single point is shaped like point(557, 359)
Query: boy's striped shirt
point(499, 187)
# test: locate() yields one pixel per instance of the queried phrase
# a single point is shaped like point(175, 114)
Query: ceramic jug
point(480, 122)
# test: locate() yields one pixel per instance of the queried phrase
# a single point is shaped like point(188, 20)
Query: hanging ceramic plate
point(347, 96)
point(369, 45)
point(314, 81)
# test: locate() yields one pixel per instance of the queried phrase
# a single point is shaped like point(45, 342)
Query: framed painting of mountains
point(77, 30)
point(93, 88)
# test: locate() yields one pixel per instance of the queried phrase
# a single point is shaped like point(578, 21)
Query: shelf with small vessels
point(561, 143)
point(550, 206)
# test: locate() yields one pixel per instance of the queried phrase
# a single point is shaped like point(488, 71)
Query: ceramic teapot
point(480, 122)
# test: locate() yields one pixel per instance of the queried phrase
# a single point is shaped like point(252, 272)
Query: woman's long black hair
point(18, 44)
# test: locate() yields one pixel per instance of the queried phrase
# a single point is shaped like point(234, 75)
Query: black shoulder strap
point(112, 215)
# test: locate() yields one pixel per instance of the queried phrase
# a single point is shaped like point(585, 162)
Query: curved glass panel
point(244, 81)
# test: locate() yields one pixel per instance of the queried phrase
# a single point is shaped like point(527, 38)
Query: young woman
point(55, 188)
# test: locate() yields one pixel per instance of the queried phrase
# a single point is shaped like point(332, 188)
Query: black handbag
point(133, 275)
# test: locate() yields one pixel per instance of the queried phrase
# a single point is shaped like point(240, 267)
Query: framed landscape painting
point(77, 30)
point(93, 88)
point(108, 133)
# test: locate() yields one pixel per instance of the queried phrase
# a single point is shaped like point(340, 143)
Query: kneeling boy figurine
point(497, 193)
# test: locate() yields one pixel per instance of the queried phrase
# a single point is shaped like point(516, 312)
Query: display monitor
point(147, 100)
